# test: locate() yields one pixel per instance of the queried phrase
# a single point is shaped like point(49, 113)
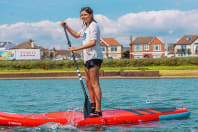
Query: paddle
point(87, 104)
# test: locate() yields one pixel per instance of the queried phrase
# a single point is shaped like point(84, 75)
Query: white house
point(111, 48)
point(187, 46)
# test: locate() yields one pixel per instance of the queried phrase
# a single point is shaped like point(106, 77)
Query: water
point(37, 96)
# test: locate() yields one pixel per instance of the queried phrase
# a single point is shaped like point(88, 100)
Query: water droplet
point(148, 101)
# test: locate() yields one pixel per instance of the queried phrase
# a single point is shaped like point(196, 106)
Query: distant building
point(111, 48)
point(187, 46)
point(31, 45)
point(6, 45)
point(65, 54)
point(170, 51)
point(125, 49)
point(146, 47)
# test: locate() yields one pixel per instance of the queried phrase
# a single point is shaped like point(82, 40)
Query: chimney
point(32, 43)
point(131, 40)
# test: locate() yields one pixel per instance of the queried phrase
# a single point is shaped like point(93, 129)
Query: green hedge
point(61, 64)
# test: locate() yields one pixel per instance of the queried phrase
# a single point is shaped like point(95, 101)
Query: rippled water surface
point(37, 96)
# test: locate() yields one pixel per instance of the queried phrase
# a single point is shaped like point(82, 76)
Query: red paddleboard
point(110, 117)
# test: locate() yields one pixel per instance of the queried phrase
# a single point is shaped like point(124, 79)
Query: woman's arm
point(71, 31)
point(86, 46)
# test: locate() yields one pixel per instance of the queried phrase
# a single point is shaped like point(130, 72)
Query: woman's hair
point(89, 11)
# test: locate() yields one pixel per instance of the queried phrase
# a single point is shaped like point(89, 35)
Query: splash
point(75, 116)
point(55, 127)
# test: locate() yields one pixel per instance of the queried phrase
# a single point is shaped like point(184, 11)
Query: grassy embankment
point(164, 70)
point(166, 66)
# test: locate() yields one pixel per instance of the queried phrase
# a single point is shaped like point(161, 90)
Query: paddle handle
point(75, 63)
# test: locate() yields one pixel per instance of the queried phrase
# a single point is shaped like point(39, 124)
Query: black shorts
point(94, 62)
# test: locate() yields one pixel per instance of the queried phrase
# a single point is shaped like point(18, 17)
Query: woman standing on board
point(93, 57)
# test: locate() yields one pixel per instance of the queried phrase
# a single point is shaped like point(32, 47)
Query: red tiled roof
point(66, 53)
point(143, 40)
point(62, 52)
point(110, 42)
point(102, 44)
point(27, 45)
point(184, 41)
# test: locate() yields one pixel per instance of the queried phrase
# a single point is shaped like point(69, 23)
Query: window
point(156, 47)
point(183, 46)
point(103, 48)
point(188, 38)
point(137, 47)
point(114, 56)
point(137, 56)
point(196, 46)
point(146, 47)
point(156, 56)
point(113, 48)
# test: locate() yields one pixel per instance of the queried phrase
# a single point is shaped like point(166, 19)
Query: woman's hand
point(72, 49)
point(71, 31)
point(63, 23)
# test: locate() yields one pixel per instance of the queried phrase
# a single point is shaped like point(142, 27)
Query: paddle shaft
point(75, 63)
point(87, 104)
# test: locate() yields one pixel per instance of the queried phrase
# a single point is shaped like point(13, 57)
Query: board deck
point(110, 117)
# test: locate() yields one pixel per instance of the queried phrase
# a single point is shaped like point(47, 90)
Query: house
point(31, 45)
point(170, 52)
point(146, 47)
point(65, 54)
point(6, 45)
point(111, 48)
point(187, 46)
point(62, 54)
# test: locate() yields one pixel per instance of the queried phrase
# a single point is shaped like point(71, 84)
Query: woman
point(93, 57)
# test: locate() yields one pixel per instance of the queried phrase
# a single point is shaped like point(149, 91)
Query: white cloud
point(168, 25)
point(160, 20)
point(107, 26)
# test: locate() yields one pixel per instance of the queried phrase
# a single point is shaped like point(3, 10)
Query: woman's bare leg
point(94, 80)
point(88, 83)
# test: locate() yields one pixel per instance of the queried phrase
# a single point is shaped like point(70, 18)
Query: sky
point(39, 20)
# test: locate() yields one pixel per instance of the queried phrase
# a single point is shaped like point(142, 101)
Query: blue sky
point(39, 19)
point(56, 10)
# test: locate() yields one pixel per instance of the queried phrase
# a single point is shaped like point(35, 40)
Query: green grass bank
point(182, 66)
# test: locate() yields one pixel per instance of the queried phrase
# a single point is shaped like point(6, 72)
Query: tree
point(125, 54)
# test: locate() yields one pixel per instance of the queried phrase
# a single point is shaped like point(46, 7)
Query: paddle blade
point(87, 107)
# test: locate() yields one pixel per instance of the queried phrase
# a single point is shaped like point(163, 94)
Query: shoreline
point(103, 75)
point(118, 77)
